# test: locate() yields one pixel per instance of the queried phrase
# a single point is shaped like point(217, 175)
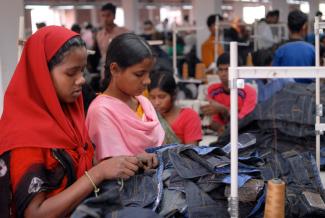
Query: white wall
point(10, 10)
point(131, 17)
point(201, 11)
point(283, 7)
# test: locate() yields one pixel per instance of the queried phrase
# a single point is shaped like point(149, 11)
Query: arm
point(63, 203)
point(249, 103)
point(215, 108)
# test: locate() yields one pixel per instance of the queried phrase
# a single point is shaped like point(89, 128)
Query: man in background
point(108, 32)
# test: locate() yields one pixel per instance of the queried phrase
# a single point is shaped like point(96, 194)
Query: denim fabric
point(210, 182)
point(300, 174)
point(105, 203)
point(292, 109)
point(133, 212)
point(242, 179)
point(161, 148)
point(257, 211)
point(203, 150)
point(244, 141)
point(202, 175)
point(200, 204)
point(160, 185)
point(139, 191)
point(249, 192)
point(185, 166)
point(242, 169)
point(172, 201)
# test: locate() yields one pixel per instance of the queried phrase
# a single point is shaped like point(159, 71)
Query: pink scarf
point(116, 130)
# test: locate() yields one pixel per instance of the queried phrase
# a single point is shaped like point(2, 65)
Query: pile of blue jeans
point(190, 181)
point(284, 127)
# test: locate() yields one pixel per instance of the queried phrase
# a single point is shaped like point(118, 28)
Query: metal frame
point(236, 73)
point(218, 25)
point(175, 31)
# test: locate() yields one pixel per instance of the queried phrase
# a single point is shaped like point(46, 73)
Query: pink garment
point(116, 129)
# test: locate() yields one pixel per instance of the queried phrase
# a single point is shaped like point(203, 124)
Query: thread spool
point(249, 59)
point(199, 71)
point(185, 71)
point(275, 199)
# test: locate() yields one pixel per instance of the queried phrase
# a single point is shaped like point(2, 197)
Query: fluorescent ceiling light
point(31, 7)
point(63, 7)
point(187, 7)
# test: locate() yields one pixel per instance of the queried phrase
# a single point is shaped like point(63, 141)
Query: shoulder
point(206, 43)
point(99, 106)
point(188, 113)
point(215, 87)
point(247, 92)
point(99, 102)
point(121, 30)
point(191, 114)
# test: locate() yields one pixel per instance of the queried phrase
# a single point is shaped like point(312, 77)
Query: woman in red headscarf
point(45, 150)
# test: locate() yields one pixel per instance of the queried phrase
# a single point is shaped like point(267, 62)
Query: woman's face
point(67, 76)
point(161, 100)
point(133, 80)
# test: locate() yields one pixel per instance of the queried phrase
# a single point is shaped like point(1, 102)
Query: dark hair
point(275, 13)
point(223, 59)
point(76, 28)
point(164, 80)
point(212, 19)
point(319, 14)
point(296, 20)
point(126, 50)
point(262, 57)
point(40, 25)
point(109, 7)
point(148, 22)
point(75, 41)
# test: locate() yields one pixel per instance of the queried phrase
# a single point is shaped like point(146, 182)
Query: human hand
point(121, 167)
point(212, 108)
point(147, 161)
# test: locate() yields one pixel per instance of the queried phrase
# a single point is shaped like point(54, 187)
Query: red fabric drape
point(33, 115)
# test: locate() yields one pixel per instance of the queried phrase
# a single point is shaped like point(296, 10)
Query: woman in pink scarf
point(121, 121)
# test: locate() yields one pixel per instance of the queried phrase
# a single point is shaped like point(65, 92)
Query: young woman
point(44, 146)
point(121, 121)
point(184, 123)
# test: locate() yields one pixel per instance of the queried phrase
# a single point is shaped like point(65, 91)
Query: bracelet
point(96, 189)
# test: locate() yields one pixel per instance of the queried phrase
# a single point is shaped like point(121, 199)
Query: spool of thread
point(185, 71)
point(275, 199)
point(249, 59)
point(199, 71)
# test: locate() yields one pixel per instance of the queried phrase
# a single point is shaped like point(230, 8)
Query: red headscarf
point(33, 115)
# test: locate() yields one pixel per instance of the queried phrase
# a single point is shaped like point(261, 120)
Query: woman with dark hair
point(45, 151)
point(121, 121)
point(180, 124)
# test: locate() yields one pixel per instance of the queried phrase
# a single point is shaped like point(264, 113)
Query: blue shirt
point(267, 90)
point(297, 53)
